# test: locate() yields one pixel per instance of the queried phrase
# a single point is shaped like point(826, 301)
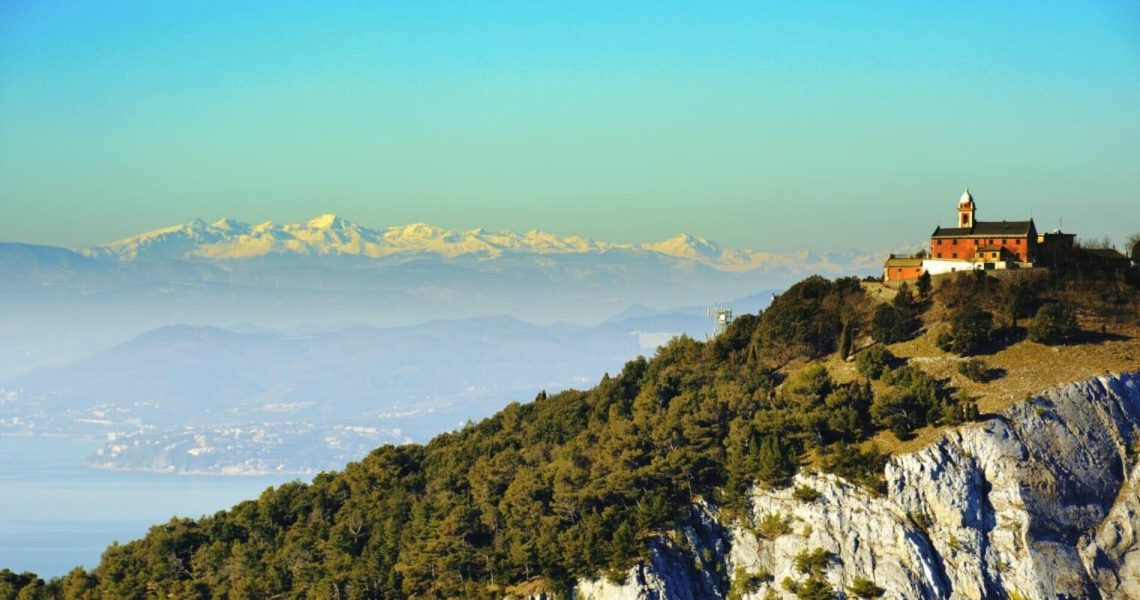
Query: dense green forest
point(572, 484)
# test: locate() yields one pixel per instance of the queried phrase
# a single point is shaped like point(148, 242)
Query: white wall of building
point(939, 266)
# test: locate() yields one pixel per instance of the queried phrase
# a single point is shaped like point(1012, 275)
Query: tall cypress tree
point(775, 467)
point(845, 340)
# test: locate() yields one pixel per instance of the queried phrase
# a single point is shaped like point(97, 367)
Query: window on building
point(955, 255)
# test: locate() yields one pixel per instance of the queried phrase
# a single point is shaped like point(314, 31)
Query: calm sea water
point(56, 514)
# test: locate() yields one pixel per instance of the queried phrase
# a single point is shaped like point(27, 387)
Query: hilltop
point(1109, 342)
point(597, 489)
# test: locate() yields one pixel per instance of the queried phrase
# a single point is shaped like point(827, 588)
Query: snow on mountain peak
point(417, 231)
point(230, 225)
point(326, 221)
point(686, 246)
point(331, 235)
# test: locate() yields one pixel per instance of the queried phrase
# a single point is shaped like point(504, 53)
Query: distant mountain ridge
point(331, 235)
point(60, 304)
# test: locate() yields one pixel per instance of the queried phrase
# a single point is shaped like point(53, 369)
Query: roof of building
point(1103, 253)
point(966, 197)
point(903, 261)
point(987, 229)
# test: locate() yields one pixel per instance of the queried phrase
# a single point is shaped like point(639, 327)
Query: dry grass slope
point(1028, 368)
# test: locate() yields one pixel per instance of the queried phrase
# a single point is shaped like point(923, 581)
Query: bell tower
point(966, 210)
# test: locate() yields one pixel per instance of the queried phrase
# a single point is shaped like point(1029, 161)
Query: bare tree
point(1104, 242)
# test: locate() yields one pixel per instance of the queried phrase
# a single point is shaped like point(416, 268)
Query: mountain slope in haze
point(433, 375)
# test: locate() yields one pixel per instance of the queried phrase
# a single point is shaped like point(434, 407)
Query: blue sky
point(780, 126)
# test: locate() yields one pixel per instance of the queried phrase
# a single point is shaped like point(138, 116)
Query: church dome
point(966, 197)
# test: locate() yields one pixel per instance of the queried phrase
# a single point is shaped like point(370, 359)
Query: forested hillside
point(570, 485)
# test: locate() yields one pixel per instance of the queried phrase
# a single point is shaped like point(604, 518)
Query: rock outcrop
point(1038, 502)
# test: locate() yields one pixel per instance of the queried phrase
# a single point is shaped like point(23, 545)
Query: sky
point(781, 126)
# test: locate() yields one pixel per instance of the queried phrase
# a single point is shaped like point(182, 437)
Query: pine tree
point(775, 468)
point(1054, 324)
point(623, 546)
point(924, 286)
point(970, 330)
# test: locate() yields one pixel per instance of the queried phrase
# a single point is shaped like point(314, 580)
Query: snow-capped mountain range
point(330, 271)
point(331, 235)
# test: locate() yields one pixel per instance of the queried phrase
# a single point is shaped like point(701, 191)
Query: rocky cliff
point(1037, 502)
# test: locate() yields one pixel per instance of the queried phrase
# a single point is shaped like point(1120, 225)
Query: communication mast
point(721, 316)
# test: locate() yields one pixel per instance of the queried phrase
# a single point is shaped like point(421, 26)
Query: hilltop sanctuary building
point(973, 245)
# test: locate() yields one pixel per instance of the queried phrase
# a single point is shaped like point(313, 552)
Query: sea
point(56, 514)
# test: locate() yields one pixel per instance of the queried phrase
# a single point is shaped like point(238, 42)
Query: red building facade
point(971, 245)
point(975, 240)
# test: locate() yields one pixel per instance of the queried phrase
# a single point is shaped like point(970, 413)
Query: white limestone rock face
point(1016, 501)
point(868, 536)
point(1042, 501)
point(688, 566)
point(1110, 552)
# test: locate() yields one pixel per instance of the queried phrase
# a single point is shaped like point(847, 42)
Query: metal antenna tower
point(721, 316)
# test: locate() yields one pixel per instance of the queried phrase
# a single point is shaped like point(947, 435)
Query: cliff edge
point(1039, 501)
